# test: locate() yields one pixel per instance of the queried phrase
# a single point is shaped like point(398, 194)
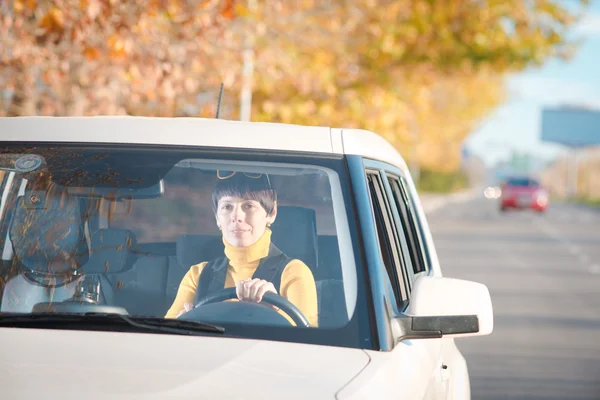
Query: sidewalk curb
point(433, 202)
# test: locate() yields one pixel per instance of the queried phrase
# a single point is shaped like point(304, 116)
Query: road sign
point(575, 128)
point(570, 126)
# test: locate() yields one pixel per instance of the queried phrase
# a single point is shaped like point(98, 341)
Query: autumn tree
point(419, 72)
point(87, 57)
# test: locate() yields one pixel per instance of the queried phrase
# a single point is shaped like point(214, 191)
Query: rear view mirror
point(446, 307)
point(119, 193)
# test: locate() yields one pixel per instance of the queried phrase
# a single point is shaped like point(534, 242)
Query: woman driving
point(245, 206)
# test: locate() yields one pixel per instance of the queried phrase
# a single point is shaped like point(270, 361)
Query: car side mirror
point(445, 307)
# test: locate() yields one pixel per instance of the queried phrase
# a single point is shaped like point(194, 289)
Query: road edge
point(432, 202)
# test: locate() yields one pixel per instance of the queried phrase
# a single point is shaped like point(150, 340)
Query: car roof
point(199, 132)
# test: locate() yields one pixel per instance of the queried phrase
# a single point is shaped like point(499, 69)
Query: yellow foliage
point(419, 72)
point(53, 20)
point(21, 5)
point(91, 53)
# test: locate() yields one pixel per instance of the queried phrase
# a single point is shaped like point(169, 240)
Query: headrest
point(47, 228)
point(193, 249)
point(112, 251)
point(294, 232)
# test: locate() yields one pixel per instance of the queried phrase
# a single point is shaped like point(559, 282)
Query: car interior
point(143, 278)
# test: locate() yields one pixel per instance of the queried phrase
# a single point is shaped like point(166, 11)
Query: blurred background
point(470, 92)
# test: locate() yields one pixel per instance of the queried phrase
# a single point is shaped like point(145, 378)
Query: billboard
point(573, 127)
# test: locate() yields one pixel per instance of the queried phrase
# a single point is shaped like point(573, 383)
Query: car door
point(415, 229)
point(415, 365)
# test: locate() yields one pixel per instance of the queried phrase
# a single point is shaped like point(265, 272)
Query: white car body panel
point(63, 364)
point(167, 131)
point(457, 385)
point(369, 145)
point(200, 132)
point(394, 375)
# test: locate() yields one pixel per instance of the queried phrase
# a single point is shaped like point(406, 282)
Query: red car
point(523, 193)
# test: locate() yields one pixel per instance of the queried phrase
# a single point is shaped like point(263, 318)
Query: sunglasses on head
point(222, 175)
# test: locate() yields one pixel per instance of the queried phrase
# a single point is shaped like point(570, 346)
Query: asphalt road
point(543, 273)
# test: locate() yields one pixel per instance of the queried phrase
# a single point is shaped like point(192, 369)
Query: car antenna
point(219, 102)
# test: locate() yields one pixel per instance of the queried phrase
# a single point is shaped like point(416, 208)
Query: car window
point(140, 218)
point(522, 182)
point(409, 222)
point(387, 236)
point(182, 209)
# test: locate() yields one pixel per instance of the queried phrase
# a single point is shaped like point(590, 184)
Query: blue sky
point(516, 124)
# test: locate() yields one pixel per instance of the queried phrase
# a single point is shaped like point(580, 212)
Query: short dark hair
point(255, 187)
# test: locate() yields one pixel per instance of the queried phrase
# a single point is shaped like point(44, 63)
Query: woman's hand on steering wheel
point(203, 312)
point(249, 290)
point(253, 290)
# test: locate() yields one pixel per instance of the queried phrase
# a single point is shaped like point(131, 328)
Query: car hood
point(62, 364)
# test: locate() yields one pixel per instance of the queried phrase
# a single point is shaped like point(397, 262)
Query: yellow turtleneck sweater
point(297, 281)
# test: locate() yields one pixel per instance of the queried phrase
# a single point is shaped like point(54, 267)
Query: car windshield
point(522, 182)
point(137, 227)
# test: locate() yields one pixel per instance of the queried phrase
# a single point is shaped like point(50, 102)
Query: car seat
point(49, 247)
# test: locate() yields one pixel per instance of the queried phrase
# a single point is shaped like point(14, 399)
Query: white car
point(102, 217)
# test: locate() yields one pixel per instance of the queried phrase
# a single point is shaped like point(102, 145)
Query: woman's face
point(242, 221)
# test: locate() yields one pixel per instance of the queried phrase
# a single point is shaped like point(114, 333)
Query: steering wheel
point(50, 280)
point(254, 308)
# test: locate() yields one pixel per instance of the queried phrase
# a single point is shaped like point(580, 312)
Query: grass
point(588, 201)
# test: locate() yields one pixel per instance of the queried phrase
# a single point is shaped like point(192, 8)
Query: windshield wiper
point(141, 324)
